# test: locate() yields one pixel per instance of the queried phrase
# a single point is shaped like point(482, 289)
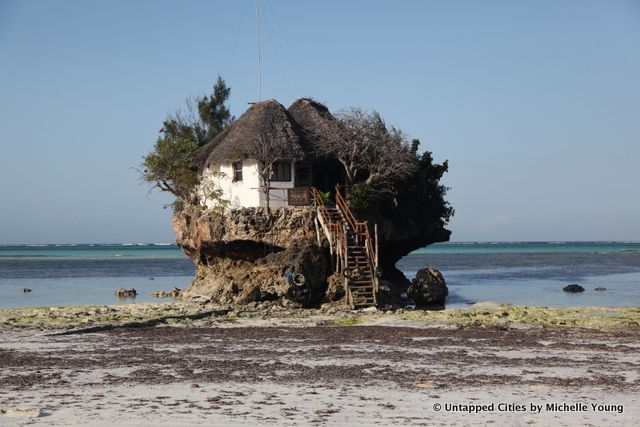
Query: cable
point(235, 42)
point(290, 49)
point(275, 52)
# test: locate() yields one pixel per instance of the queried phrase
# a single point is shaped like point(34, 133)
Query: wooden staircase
point(356, 254)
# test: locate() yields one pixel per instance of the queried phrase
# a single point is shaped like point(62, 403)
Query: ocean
point(520, 273)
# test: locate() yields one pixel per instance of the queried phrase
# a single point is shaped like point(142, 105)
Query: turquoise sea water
point(89, 274)
point(534, 273)
point(522, 273)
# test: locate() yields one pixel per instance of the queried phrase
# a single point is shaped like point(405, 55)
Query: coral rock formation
point(251, 255)
point(428, 288)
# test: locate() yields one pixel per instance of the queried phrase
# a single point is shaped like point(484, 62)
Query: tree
point(368, 150)
point(422, 198)
point(268, 150)
point(170, 166)
point(213, 112)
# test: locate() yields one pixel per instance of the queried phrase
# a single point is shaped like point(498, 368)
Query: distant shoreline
point(452, 242)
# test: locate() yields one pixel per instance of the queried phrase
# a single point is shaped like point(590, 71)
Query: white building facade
point(240, 183)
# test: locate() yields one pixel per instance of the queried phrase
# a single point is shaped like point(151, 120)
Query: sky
point(535, 104)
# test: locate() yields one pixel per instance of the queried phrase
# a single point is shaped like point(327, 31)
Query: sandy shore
point(317, 368)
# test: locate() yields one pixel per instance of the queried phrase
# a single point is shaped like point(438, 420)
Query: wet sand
point(253, 372)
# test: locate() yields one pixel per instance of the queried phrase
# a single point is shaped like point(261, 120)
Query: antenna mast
point(258, 43)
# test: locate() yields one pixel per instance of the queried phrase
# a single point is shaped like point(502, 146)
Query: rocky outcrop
point(250, 255)
point(175, 293)
point(428, 288)
point(240, 234)
point(296, 276)
point(126, 293)
point(573, 288)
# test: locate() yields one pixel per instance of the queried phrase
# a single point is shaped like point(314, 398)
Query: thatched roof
point(314, 122)
point(264, 121)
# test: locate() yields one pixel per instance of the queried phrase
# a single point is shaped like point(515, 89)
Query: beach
point(81, 356)
point(182, 364)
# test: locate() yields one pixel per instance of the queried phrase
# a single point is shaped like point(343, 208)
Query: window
point(281, 171)
point(237, 171)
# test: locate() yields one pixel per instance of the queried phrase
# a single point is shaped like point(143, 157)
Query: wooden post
point(315, 221)
point(338, 256)
point(375, 227)
point(375, 275)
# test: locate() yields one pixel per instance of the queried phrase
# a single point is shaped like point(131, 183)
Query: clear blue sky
point(535, 104)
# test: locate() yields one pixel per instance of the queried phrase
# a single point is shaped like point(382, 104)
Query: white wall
point(245, 193)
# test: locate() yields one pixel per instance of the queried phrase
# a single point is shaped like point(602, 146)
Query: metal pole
point(258, 43)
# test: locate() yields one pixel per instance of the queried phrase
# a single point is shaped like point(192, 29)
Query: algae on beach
point(598, 318)
point(178, 313)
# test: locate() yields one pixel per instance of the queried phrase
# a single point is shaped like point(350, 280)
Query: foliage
point(170, 166)
point(213, 112)
point(360, 197)
point(387, 175)
point(422, 197)
point(211, 191)
point(368, 150)
point(326, 197)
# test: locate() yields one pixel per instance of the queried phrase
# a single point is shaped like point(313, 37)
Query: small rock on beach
point(27, 412)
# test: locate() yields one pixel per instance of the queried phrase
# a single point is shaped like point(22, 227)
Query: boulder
point(175, 293)
point(574, 287)
point(126, 293)
point(428, 288)
point(335, 287)
point(160, 294)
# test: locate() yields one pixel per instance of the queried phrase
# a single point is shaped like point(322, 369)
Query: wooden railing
point(372, 253)
point(323, 218)
point(361, 233)
point(342, 205)
point(338, 233)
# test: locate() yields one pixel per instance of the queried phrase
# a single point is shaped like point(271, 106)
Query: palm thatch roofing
point(266, 121)
point(314, 122)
